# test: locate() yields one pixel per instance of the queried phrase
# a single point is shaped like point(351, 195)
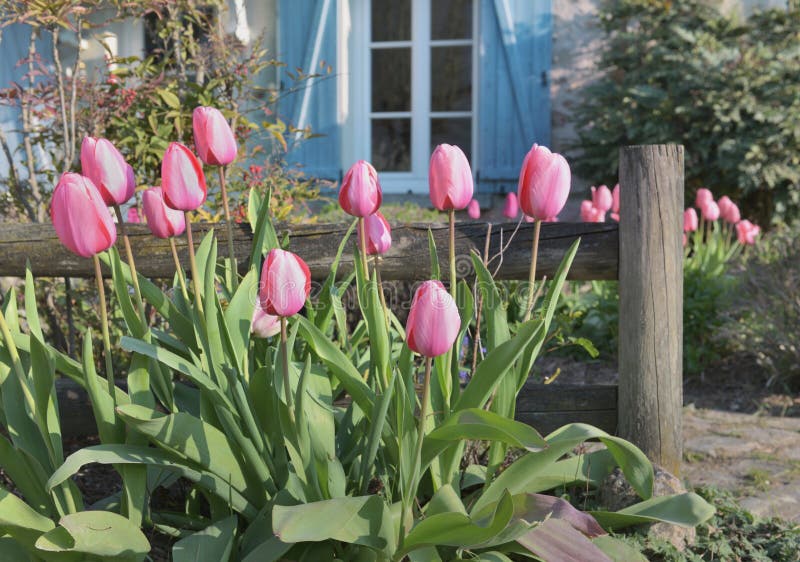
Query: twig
point(26, 131)
point(14, 184)
point(476, 340)
point(62, 99)
point(74, 91)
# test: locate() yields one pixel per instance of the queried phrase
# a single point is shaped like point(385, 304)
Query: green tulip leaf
point(212, 544)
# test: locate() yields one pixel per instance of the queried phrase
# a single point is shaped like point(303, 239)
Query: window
point(413, 69)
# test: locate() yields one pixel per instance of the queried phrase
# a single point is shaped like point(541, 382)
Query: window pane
point(391, 20)
point(391, 79)
point(457, 131)
point(451, 78)
point(391, 145)
point(451, 19)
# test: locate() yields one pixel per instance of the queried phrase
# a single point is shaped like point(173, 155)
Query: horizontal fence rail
point(407, 260)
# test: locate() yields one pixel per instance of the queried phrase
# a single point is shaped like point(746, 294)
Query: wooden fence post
point(651, 301)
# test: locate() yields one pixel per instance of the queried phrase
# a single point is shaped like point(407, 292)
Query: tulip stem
point(179, 269)
point(532, 277)
point(453, 281)
point(287, 388)
point(101, 291)
point(193, 263)
point(134, 276)
point(423, 414)
point(380, 292)
point(362, 240)
point(229, 224)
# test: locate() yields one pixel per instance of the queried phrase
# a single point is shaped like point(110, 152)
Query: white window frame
point(355, 56)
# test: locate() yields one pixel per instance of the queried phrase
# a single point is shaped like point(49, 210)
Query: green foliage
point(764, 319)
point(728, 90)
point(731, 534)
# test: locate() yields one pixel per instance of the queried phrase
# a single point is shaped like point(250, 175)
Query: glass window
point(391, 20)
point(451, 19)
point(452, 130)
point(391, 145)
point(391, 79)
point(451, 78)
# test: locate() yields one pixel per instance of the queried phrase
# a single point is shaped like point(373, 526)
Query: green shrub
point(729, 91)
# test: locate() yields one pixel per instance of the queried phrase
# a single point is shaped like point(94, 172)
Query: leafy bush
point(765, 316)
point(728, 90)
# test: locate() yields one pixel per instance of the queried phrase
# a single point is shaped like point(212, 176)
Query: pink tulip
point(544, 183)
point(614, 216)
point(529, 219)
point(474, 209)
point(703, 196)
point(360, 194)
point(590, 213)
point(728, 210)
point(615, 201)
point(133, 216)
point(449, 178)
point(710, 211)
point(379, 234)
point(433, 321)
point(80, 216)
point(747, 232)
point(213, 137)
point(102, 163)
point(511, 208)
point(602, 198)
point(690, 220)
point(182, 178)
point(285, 283)
point(264, 325)
point(163, 221)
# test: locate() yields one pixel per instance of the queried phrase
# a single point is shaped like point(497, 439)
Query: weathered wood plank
point(651, 301)
point(546, 422)
point(537, 397)
point(407, 260)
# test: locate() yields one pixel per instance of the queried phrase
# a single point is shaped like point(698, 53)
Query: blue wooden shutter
point(514, 92)
point(307, 37)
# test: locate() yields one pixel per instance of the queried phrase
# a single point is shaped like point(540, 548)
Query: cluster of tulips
point(710, 212)
point(604, 201)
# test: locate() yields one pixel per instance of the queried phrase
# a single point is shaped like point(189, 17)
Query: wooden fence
point(644, 252)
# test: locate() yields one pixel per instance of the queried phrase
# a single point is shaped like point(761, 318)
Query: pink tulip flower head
point(615, 200)
point(213, 137)
point(710, 211)
point(433, 321)
point(80, 216)
point(264, 325)
point(360, 194)
point(728, 210)
point(102, 163)
point(511, 208)
point(163, 221)
point(602, 198)
point(474, 209)
point(285, 283)
point(449, 178)
point(690, 220)
point(544, 183)
point(747, 232)
point(182, 178)
point(703, 196)
point(587, 211)
point(379, 234)
point(133, 216)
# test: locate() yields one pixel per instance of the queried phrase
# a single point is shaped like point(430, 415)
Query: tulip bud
point(264, 325)
point(544, 183)
point(449, 178)
point(102, 163)
point(133, 216)
point(689, 220)
point(285, 283)
point(602, 198)
point(511, 208)
point(728, 210)
point(587, 211)
point(164, 222)
point(474, 209)
point(182, 178)
point(213, 137)
point(379, 234)
point(360, 194)
point(615, 201)
point(433, 321)
point(80, 216)
point(703, 196)
point(710, 211)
